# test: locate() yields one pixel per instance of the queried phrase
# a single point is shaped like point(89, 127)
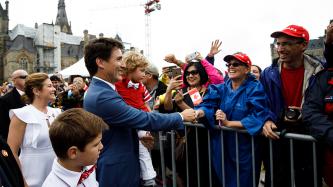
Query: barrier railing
point(290, 136)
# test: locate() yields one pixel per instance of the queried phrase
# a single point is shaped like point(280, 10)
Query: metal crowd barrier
point(290, 136)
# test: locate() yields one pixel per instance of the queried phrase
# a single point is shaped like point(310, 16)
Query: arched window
point(23, 61)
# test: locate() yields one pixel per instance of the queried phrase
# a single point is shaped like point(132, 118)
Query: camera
point(176, 72)
point(292, 114)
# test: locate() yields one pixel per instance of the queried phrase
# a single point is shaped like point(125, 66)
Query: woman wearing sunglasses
point(241, 103)
point(29, 130)
point(196, 75)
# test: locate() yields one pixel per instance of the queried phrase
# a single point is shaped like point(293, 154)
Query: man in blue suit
point(118, 164)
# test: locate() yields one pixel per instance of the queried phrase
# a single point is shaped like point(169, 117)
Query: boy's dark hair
point(72, 77)
point(99, 48)
point(55, 78)
point(74, 127)
point(202, 72)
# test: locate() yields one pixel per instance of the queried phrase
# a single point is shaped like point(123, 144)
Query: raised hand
point(329, 34)
point(175, 84)
point(75, 89)
point(215, 48)
point(170, 58)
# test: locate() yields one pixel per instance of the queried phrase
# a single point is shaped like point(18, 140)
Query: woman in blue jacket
point(239, 103)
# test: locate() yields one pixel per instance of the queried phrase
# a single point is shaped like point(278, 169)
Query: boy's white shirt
point(62, 177)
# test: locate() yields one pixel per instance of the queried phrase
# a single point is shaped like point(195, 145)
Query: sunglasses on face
point(287, 43)
point(236, 64)
point(22, 76)
point(193, 72)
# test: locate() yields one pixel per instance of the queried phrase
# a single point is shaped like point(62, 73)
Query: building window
point(23, 63)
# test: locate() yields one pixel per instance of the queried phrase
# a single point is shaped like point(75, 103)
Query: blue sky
point(184, 26)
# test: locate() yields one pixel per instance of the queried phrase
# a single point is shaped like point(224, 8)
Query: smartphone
point(176, 72)
point(191, 56)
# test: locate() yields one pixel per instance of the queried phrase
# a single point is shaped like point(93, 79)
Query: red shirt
point(292, 86)
point(133, 97)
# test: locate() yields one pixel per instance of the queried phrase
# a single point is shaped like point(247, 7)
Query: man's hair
point(34, 80)
point(99, 48)
point(134, 60)
point(202, 72)
point(74, 127)
point(55, 78)
point(72, 77)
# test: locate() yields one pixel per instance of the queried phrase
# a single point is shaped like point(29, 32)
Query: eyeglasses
point(236, 64)
point(21, 77)
point(286, 44)
point(193, 72)
point(147, 72)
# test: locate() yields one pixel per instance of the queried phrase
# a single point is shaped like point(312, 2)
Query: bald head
point(19, 72)
point(18, 78)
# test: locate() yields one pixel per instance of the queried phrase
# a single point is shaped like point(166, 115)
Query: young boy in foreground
point(76, 139)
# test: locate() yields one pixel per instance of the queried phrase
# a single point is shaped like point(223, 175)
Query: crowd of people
point(102, 131)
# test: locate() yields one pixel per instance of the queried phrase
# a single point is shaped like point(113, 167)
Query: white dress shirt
point(62, 177)
point(110, 84)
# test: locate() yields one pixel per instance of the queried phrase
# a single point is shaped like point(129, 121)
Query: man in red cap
point(286, 82)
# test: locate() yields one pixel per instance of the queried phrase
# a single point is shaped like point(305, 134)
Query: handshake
point(190, 115)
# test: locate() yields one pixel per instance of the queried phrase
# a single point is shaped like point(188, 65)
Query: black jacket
point(11, 100)
point(328, 53)
point(318, 103)
point(317, 111)
point(10, 173)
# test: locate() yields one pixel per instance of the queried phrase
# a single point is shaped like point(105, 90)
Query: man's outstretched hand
point(329, 34)
point(189, 115)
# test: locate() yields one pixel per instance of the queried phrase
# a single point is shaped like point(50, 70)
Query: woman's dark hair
point(202, 72)
point(99, 48)
point(258, 68)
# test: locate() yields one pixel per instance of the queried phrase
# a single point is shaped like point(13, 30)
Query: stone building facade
point(4, 22)
point(45, 48)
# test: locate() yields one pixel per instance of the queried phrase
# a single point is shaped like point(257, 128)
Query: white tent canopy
point(79, 68)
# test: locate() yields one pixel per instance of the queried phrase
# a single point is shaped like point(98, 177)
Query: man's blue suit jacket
point(118, 164)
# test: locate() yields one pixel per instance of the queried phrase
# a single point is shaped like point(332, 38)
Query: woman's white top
point(36, 155)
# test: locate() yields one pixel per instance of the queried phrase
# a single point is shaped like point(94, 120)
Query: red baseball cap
point(238, 56)
point(294, 31)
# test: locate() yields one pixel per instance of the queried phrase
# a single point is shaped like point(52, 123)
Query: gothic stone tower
point(62, 18)
point(3, 37)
